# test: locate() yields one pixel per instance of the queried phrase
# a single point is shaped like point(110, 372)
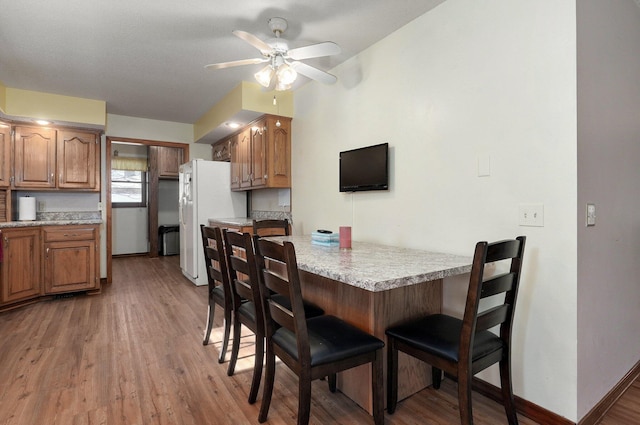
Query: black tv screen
point(365, 168)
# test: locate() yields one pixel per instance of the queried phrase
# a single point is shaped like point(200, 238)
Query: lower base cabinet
point(48, 260)
point(21, 271)
point(70, 259)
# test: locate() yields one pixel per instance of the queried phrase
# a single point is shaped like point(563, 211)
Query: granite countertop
point(33, 223)
point(234, 221)
point(376, 267)
point(58, 219)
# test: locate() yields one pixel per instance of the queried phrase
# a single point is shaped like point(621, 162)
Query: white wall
point(466, 80)
point(608, 176)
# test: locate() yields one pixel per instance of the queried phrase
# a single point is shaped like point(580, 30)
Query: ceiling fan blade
point(264, 48)
point(223, 65)
point(327, 48)
point(313, 73)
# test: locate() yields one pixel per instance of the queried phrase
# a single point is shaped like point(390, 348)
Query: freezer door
point(188, 225)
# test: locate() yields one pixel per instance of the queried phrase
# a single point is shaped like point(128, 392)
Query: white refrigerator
point(204, 193)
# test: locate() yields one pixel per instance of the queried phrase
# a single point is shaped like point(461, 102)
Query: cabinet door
point(278, 162)
point(70, 266)
point(236, 167)
point(5, 154)
point(259, 155)
point(20, 264)
point(169, 160)
point(34, 157)
point(220, 151)
point(244, 158)
point(78, 160)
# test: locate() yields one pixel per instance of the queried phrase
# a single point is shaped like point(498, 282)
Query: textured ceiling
point(146, 58)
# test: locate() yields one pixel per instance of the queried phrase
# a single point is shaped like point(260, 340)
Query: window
point(128, 188)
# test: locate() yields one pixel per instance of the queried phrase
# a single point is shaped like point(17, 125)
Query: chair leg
point(507, 392)
point(332, 382)
point(377, 388)
point(267, 390)
point(257, 368)
point(392, 375)
point(207, 333)
point(235, 346)
point(464, 399)
point(225, 338)
point(304, 398)
point(436, 377)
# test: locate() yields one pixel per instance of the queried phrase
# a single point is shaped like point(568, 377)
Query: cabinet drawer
point(69, 233)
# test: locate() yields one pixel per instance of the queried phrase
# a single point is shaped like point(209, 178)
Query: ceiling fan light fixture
point(286, 75)
point(264, 76)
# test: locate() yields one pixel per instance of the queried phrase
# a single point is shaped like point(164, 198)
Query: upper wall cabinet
point(34, 157)
point(169, 160)
point(5, 155)
point(261, 154)
point(78, 160)
point(46, 158)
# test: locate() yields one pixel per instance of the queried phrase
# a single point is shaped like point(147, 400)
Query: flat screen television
point(365, 168)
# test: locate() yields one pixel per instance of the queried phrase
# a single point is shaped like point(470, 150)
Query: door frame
point(152, 199)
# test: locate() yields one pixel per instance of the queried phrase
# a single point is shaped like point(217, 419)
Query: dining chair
point(218, 284)
point(271, 227)
point(247, 308)
point(312, 348)
point(463, 347)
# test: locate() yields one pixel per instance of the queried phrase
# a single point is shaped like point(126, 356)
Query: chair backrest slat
point(492, 317)
point(497, 285)
point(271, 227)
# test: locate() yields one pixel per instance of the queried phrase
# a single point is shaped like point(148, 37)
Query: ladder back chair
point(463, 347)
point(247, 306)
point(311, 347)
point(218, 284)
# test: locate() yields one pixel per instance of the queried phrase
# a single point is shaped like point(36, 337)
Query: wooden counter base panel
point(374, 312)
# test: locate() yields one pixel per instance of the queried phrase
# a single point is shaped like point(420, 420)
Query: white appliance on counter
point(204, 193)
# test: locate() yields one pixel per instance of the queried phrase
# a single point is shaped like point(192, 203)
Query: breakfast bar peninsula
point(374, 286)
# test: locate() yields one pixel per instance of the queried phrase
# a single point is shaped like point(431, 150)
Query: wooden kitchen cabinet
point(221, 151)
point(169, 161)
point(34, 157)
point(21, 279)
point(78, 160)
point(70, 258)
point(5, 154)
point(236, 161)
point(40, 153)
point(262, 154)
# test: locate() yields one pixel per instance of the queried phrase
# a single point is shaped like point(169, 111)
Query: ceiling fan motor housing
point(277, 25)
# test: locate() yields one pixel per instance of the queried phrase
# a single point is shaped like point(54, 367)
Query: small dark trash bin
point(169, 240)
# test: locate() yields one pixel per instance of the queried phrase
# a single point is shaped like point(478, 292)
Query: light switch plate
point(484, 165)
point(531, 215)
point(591, 215)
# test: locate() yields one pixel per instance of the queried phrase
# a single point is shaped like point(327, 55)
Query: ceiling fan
point(283, 64)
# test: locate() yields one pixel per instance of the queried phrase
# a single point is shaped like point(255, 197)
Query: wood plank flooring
point(134, 355)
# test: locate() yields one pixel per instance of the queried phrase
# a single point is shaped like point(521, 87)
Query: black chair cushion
point(330, 340)
point(439, 334)
point(218, 293)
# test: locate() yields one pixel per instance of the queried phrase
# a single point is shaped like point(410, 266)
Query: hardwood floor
point(134, 355)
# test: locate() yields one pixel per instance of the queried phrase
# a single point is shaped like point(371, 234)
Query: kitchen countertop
point(376, 267)
point(57, 218)
point(34, 223)
point(234, 221)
